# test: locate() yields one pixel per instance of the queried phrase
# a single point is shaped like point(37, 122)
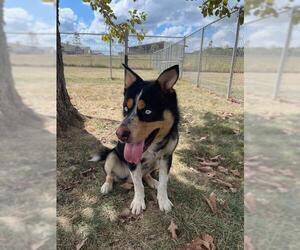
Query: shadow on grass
point(217, 136)
point(274, 143)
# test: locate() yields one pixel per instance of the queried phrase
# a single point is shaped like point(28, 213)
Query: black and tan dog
point(148, 136)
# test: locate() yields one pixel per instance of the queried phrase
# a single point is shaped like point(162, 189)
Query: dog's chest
point(149, 159)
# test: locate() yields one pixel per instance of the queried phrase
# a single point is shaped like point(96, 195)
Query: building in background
point(71, 49)
point(148, 48)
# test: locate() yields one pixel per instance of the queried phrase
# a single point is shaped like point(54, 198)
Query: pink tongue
point(133, 152)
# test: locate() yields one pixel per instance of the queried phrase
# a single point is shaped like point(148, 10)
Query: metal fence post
point(182, 60)
point(284, 56)
point(233, 57)
point(200, 58)
point(110, 59)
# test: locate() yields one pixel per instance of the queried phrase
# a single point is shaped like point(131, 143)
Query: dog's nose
point(123, 134)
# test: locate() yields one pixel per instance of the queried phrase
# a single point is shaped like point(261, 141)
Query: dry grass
point(83, 213)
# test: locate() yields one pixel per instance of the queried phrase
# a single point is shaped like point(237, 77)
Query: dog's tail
point(101, 154)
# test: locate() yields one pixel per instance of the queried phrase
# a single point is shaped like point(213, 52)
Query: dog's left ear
point(130, 76)
point(168, 78)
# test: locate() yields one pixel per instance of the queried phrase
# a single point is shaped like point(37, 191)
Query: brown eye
point(148, 112)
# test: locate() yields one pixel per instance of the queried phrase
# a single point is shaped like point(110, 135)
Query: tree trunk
point(67, 115)
point(13, 112)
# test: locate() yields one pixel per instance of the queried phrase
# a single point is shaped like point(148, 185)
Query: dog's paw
point(106, 188)
point(164, 203)
point(152, 183)
point(137, 205)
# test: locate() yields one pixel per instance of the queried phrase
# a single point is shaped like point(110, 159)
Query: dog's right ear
point(130, 76)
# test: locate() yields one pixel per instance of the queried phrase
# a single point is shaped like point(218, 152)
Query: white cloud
point(97, 25)
point(68, 20)
point(224, 37)
point(173, 31)
point(67, 15)
point(160, 13)
point(19, 20)
point(269, 32)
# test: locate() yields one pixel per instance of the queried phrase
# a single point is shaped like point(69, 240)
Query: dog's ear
point(168, 78)
point(130, 76)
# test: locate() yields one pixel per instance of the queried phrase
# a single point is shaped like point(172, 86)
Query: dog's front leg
point(138, 203)
point(162, 196)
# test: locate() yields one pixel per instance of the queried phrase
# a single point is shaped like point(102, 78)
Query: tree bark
point(13, 112)
point(67, 115)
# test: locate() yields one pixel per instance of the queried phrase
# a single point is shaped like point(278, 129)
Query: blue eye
point(148, 112)
point(125, 109)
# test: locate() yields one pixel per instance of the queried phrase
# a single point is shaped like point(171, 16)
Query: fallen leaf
point(212, 202)
point(266, 169)
point(39, 244)
point(80, 244)
point(250, 202)
point(287, 172)
point(203, 138)
point(172, 228)
point(212, 163)
point(251, 164)
point(203, 242)
point(216, 158)
point(254, 158)
point(127, 185)
point(224, 183)
point(200, 158)
point(211, 174)
point(210, 240)
point(282, 189)
point(222, 170)
point(205, 169)
point(125, 214)
point(235, 172)
point(84, 173)
point(248, 243)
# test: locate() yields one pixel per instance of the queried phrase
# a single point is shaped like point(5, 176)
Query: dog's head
point(149, 109)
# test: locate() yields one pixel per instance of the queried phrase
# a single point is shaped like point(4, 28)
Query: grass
point(84, 213)
point(272, 138)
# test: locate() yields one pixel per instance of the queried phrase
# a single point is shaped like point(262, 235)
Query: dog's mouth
point(150, 139)
point(133, 151)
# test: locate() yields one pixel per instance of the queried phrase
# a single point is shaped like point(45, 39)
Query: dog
point(148, 136)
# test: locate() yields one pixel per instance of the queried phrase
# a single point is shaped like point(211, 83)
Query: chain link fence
point(273, 60)
point(211, 57)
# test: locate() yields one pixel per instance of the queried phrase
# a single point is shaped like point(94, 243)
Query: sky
point(165, 17)
point(168, 17)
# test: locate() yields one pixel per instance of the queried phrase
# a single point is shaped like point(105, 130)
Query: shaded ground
point(272, 157)
point(210, 126)
point(28, 166)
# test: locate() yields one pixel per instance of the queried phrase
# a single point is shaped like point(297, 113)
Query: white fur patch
point(138, 203)
point(94, 158)
point(106, 188)
point(162, 196)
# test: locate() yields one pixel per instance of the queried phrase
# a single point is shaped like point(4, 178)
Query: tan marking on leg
point(151, 182)
point(109, 179)
point(110, 162)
